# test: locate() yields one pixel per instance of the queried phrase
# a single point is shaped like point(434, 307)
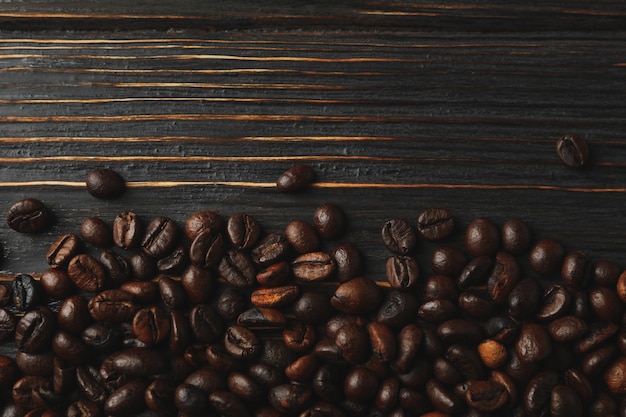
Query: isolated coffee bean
point(348, 260)
point(127, 230)
point(313, 266)
point(482, 237)
point(104, 183)
point(572, 150)
point(402, 272)
point(302, 236)
point(435, 223)
point(28, 215)
point(546, 257)
point(398, 236)
point(329, 221)
point(73, 314)
point(27, 292)
point(296, 178)
point(87, 273)
point(237, 269)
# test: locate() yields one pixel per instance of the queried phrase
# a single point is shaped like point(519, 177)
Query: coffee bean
point(171, 292)
point(73, 314)
point(555, 303)
point(206, 248)
point(116, 266)
point(229, 404)
point(302, 369)
point(160, 237)
point(313, 307)
point(143, 266)
point(533, 343)
point(70, 348)
point(87, 273)
point(466, 360)
point(476, 304)
point(402, 272)
point(274, 297)
point(237, 269)
point(524, 298)
point(546, 257)
point(112, 306)
point(579, 382)
point(443, 399)
point(207, 379)
point(598, 334)
point(475, 272)
point(151, 325)
point(564, 401)
point(262, 318)
point(302, 236)
point(615, 376)
point(329, 221)
point(27, 292)
point(219, 358)
point(382, 341)
point(436, 311)
point(295, 179)
point(482, 237)
point(174, 262)
point(353, 343)
point(31, 392)
point(63, 250)
point(127, 230)
point(96, 232)
point(91, 384)
point(241, 342)
point(538, 392)
point(7, 324)
point(104, 183)
point(577, 269)
point(28, 215)
point(56, 283)
point(313, 266)
point(38, 364)
point(398, 236)
point(134, 362)
point(460, 331)
point(397, 309)
point(348, 261)
point(605, 304)
point(505, 275)
point(101, 337)
point(567, 329)
point(143, 291)
point(34, 330)
point(594, 362)
point(290, 398)
point(408, 342)
point(191, 400)
point(435, 224)
point(493, 353)
point(486, 396)
point(516, 236)
point(448, 261)
point(274, 274)
point(299, 337)
point(273, 248)
point(361, 385)
point(243, 230)
point(230, 304)
point(197, 284)
point(357, 296)
point(572, 150)
point(201, 220)
point(606, 273)
point(159, 396)
point(206, 324)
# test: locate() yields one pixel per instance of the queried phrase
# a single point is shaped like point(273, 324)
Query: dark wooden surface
point(398, 107)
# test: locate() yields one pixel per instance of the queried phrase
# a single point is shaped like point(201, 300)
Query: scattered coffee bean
point(572, 150)
point(28, 215)
point(296, 178)
point(104, 183)
point(329, 221)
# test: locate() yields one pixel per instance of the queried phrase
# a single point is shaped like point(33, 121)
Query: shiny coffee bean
point(460, 330)
point(102, 337)
point(564, 402)
point(127, 230)
point(475, 272)
point(302, 236)
point(546, 257)
point(159, 396)
point(95, 231)
point(486, 396)
point(135, 362)
point(171, 292)
point(206, 324)
point(448, 261)
point(70, 348)
point(104, 183)
point(38, 364)
point(34, 330)
point(237, 269)
point(206, 249)
point(397, 309)
point(262, 318)
point(296, 178)
point(567, 329)
point(524, 298)
point(357, 296)
point(299, 337)
point(466, 360)
point(63, 250)
point(174, 262)
point(159, 237)
point(91, 384)
point(197, 284)
point(606, 273)
point(605, 304)
point(409, 340)
point(533, 343)
point(56, 283)
point(113, 306)
point(353, 343)
point(126, 400)
point(265, 375)
point(435, 223)
point(28, 215)
point(143, 291)
point(348, 260)
point(274, 274)
point(116, 266)
point(576, 269)
point(27, 292)
point(313, 267)
point(207, 379)
point(482, 237)
point(87, 273)
point(31, 392)
point(440, 287)
point(274, 297)
point(504, 277)
point(402, 272)
point(151, 325)
point(442, 398)
point(243, 230)
point(191, 400)
point(361, 385)
point(615, 376)
point(382, 341)
point(475, 304)
point(201, 220)
point(302, 369)
point(231, 303)
point(594, 362)
point(290, 398)
point(516, 236)
point(437, 311)
point(556, 302)
point(598, 334)
point(572, 150)
point(313, 307)
point(273, 248)
point(537, 396)
point(329, 221)
point(398, 236)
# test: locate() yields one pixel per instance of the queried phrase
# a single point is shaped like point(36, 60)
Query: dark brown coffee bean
point(605, 304)
point(460, 331)
point(398, 236)
point(6, 293)
point(357, 296)
point(28, 215)
point(274, 275)
point(102, 337)
point(524, 298)
point(117, 267)
point(191, 400)
point(564, 402)
point(598, 334)
point(538, 392)
point(87, 273)
point(580, 303)
point(219, 358)
point(27, 292)
point(201, 220)
point(265, 375)
point(435, 224)
point(388, 393)
point(95, 231)
point(299, 337)
point(328, 383)
point(567, 329)
point(402, 272)
point(578, 381)
point(63, 376)
point(437, 311)
point(34, 330)
point(296, 178)
point(231, 303)
point(555, 303)
point(126, 400)
point(262, 318)
point(275, 297)
point(361, 385)
point(408, 343)
point(206, 249)
point(171, 292)
point(302, 369)
point(302, 236)
point(546, 257)
point(516, 236)
point(229, 404)
point(382, 341)
point(443, 399)
point(38, 364)
point(353, 343)
point(197, 284)
point(466, 360)
point(63, 250)
point(174, 262)
point(482, 237)
point(313, 266)
point(151, 325)
point(327, 351)
point(8, 322)
point(313, 307)
point(475, 273)
point(160, 237)
point(135, 362)
point(339, 320)
point(180, 331)
point(505, 275)
point(9, 372)
point(533, 343)
point(576, 269)
point(207, 379)
point(243, 230)
point(475, 304)
point(572, 150)
point(349, 261)
point(33, 392)
point(329, 221)
point(56, 283)
point(112, 306)
point(448, 261)
point(275, 353)
point(70, 348)
point(615, 376)
point(127, 230)
point(606, 273)
point(91, 384)
point(486, 396)
point(273, 248)
point(603, 405)
point(206, 324)
point(144, 291)
point(290, 398)
point(104, 183)
point(594, 362)
point(237, 269)
point(159, 396)
point(397, 309)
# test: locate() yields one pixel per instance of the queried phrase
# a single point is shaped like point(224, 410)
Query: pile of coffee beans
point(220, 317)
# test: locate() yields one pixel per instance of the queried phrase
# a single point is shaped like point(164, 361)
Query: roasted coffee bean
point(9, 372)
point(127, 230)
point(180, 331)
point(353, 343)
point(402, 272)
point(135, 362)
point(70, 348)
point(290, 398)
point(201, 220)
point(475, 273)
point(243, 230)
point(606, 273)
point(313, 307)
point(63, 250)
point(31, 392)
point(621, 287)
point(87, 273)
point(197, 284)
point(555, 303)
point(116, 266)
point(151, 325)
point(339, 320)
point(302, 236)
point(577, 380)
point(313, 266)
point(399, 236)
point(538, 392)
point(329, 221)
point(34, 330)
point(6, 293)
point(361, 385)
point(397, 309)
point(95, 231)
point(274, 297)
point(439, 287)
point(615, 376)
point(144, 291)
point(171, 292)
point(576, 269)
point(112, 306)
point(174, 262)
point(594, 362)
point(382, 341)
point(435, 223)
point(408, 343)
point(564, 402)
point(516, 236)
point(581, 304)
point(231, 303)
point(443, 399)
point(605, 304)
point(265, 375)
point(237, 269)
point(63, 376)
point(159, 396)
point(273, 248)
point(91, 384)
point(56, 283)
point(191, 400)
point(104, 183)
point(486, 396)
point(357, 296)
point(598, 334)
point(466, 360)
point(8, 322)
point(505, 275)
point(274, 275)
point(493, 353)
point(262, 318)
point(448, 260)
point(567, 329)
point(302, 369)
point(193, 355)
point(546, 257)
point(533, 343)
point(229, 404)
point(572, 150)
point(27, 292)
point(142, 266)
point(219, 358)
point(126, 400)
point(28, 215)
point(475, 304)
point(206, 324)
point(328, 383)
point(524, 298)
point(102, 337)
point(299, 337)
point(460, 330)
point(206, 249)
point(207, 379)
point(482, 237)
point(437, 311)
point(160, 237)
point(38, 364)
point(275, 353)
point(388, 393)
point(348, 260)
point(296, 178)
point(603, 405)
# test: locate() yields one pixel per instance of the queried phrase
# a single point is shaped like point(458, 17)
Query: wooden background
point(397, 105)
